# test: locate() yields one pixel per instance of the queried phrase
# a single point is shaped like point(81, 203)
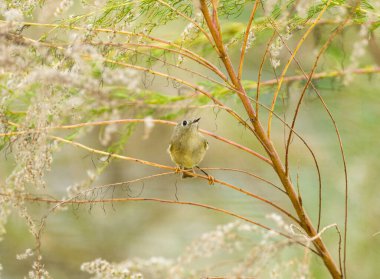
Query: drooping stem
point(306, 223)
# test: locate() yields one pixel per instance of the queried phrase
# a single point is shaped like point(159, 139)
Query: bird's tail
point(185, 175)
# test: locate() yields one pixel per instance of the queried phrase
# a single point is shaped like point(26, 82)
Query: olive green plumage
point(187, 145)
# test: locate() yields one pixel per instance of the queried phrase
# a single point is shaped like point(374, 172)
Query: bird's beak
point(196, 120)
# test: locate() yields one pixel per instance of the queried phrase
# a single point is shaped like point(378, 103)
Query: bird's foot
point(211, 180)
point(177, 169)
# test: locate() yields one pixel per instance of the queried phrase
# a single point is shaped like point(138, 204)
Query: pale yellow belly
point(188, 157)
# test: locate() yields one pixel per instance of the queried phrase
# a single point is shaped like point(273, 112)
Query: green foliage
point(233, 8)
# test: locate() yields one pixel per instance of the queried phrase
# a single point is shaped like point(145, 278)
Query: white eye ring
point(184, 123)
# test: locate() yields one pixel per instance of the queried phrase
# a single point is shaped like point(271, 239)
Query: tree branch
point(152, 164)
point(245, 40)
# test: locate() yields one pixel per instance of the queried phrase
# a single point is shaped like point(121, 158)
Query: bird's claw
point(177, 169)
point(211, 180)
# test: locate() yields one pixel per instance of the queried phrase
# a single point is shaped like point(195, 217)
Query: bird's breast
point(188, 153)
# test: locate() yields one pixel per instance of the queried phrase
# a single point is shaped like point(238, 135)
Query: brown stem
point(77, 200)
point(161, 166)
point(260, 73)
point(292, 57)
point(246, 35)
point(192, 55)
point(213, 25)
point(301, 213)
point(268, 145)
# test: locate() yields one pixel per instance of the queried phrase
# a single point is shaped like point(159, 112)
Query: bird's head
point(187, 125)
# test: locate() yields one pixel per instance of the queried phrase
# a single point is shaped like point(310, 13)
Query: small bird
point(188, 147)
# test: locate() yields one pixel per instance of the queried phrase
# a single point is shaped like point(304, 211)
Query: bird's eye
point(184, 123)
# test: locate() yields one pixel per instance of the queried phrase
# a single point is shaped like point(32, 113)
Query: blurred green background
point(146, 229)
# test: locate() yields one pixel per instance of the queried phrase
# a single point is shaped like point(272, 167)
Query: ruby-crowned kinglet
point(187, 145)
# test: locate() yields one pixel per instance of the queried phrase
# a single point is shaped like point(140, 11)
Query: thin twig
point(300, 43)
point(260, 73)
point(167, 76)
point(309, 79)
point(125, 46)
point(77, 201)
point(245, 40)
point(339, 140)
point(262, 136)
point(157, 121)
point(250, 174)
point(191, 54)
point(153, 164)
point(190, 20)
point(332, 74)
